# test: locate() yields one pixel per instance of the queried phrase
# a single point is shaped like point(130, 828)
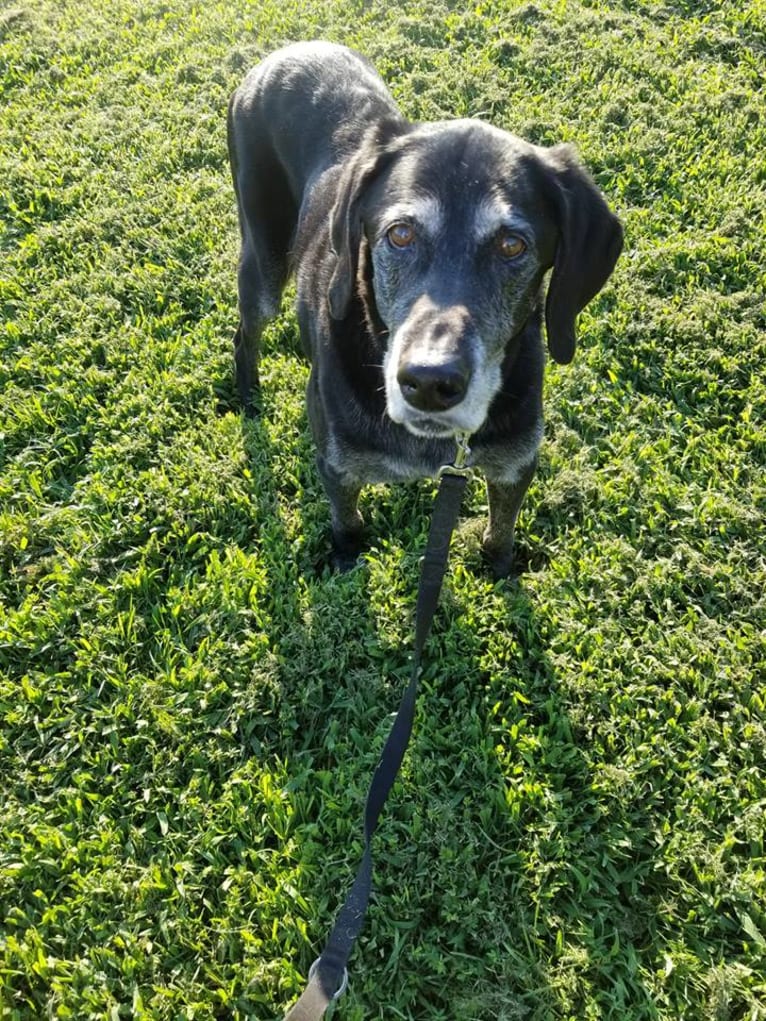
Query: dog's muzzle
point(437, 381)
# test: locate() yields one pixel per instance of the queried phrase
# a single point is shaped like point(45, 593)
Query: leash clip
point(343, 985)
point(460, 465)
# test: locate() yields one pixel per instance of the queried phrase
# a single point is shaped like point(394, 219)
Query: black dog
point(420, 252)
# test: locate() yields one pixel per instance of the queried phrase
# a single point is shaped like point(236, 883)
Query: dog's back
point(269, 115)
point(299, 113)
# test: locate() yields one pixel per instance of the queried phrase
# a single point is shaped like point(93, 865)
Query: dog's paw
point(501, 561)
point(342, 562)
point(336, 561)
point(500, 568)
point(251, 409)
point(347, 545)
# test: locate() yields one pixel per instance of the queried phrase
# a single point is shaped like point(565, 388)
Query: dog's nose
point(433, 387)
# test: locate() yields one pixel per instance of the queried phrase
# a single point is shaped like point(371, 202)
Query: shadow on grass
point(575, 922)
point(499, 864)
point(526, 890)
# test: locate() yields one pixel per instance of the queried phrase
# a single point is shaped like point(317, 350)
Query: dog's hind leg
point(261, 275)
point(267, 216)
point(258, 302)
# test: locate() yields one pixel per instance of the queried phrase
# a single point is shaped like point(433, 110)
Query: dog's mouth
point(430, 428)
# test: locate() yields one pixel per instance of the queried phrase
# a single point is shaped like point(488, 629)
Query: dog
point(420, 252)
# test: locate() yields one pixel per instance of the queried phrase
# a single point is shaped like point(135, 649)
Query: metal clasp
point(343, 985)
point(460, 465)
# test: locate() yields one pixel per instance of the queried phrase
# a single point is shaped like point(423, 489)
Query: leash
point(328, 975)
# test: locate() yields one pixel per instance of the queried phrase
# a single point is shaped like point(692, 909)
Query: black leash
point(328, 976)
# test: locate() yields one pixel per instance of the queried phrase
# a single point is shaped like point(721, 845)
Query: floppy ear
point(375, 154)
point(589, 243)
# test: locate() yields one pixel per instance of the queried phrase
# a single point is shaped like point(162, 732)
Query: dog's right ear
point(379, 148)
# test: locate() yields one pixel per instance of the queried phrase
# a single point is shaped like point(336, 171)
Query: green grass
point(192, 711)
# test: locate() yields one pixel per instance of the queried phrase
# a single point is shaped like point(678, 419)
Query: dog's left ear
point(378, 149)
point(589, 243)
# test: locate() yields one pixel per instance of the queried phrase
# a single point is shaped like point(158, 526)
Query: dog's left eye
point(401, 235)
point(509, 246)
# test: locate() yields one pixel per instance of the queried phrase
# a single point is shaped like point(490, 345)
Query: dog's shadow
point(518, 869)
point(498, 774)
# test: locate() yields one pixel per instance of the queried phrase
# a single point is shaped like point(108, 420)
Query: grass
point(192, 709)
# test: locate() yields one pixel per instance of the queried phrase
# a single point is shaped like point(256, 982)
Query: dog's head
point(451, 228)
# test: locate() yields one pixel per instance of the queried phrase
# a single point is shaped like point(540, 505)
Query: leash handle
point(312, 1004)
point(328, 976)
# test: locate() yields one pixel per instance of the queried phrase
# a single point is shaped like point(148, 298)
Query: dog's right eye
point(401, 235)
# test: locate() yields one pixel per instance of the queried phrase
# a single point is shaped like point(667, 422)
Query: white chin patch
point(430, 429)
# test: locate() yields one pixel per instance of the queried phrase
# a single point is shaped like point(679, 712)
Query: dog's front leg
point(505, 499)
point(347, 523)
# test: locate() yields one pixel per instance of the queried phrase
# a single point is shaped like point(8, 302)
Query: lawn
point(192, 704)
